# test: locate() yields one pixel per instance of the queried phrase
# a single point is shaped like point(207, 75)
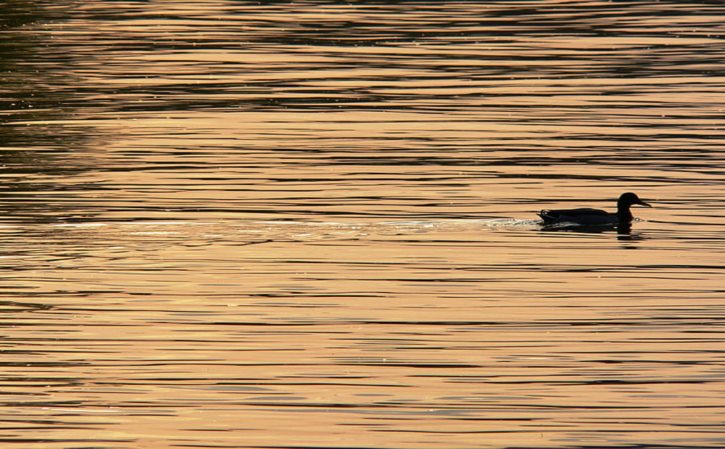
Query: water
point(312, 224)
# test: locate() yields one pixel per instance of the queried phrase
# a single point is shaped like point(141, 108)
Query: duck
point(595, 217)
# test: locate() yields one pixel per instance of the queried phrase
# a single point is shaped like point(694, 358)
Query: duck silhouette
point(595, 217)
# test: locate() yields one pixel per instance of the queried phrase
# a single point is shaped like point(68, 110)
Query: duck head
point(630, 199)
point(624, 203)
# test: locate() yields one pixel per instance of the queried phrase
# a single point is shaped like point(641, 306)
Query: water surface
point(312, 224)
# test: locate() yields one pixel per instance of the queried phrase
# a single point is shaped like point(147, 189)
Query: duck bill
point(642, 203)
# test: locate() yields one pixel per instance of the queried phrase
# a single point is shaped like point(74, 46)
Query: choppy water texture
point(228, 224)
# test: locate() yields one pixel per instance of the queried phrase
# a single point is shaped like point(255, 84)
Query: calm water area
point(236, 224)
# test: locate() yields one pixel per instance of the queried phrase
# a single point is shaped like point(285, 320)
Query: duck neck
point(623, 213)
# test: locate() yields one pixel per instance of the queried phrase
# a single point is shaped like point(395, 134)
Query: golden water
point(312, 224)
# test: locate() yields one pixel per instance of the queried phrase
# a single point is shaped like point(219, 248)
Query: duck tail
point(545, 215)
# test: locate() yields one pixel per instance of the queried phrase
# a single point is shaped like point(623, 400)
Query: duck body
point(582, 216)
point(595, 217)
